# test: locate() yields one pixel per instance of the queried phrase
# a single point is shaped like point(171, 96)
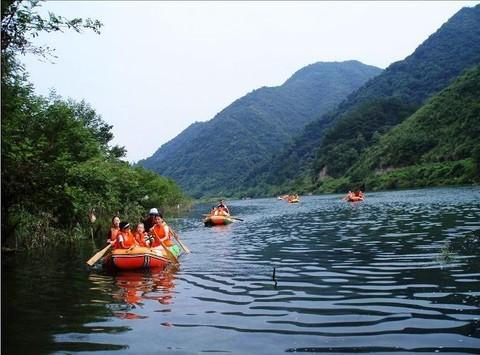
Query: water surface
point(399, 272)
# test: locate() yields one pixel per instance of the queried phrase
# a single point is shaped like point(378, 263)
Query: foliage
point(343, 143)
point(57, 163)
point(212, 158)
point(331, 185)
point(21, 23)
point(439, 144)
point(333, 142)
point(427, 174)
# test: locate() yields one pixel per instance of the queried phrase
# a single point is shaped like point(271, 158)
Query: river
point(399, 272)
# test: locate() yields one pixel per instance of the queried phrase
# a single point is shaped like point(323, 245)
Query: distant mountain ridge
point(438, 144)
point(209, 158)
point(330, 145)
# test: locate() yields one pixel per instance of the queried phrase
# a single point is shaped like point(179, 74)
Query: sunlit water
point(399, 272)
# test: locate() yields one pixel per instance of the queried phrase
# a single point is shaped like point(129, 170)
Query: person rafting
point(160, 234)
point(114, 229)
point(125, 238)
point(358, 193)
point(222, 206)
point(140, 235)
point(150, 221)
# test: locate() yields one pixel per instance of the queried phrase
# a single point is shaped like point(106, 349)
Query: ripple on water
point(392, 274)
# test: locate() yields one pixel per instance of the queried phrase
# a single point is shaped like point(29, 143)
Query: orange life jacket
point(140, 239)
point(128, 240)
point(113, 233)
point(160, 233)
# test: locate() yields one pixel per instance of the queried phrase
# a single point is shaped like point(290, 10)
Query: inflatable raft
point(139, 258)
point(220, 220)
point(354, 199)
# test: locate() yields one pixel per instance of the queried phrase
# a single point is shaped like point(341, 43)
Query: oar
point(184, 247)
point(169, 253)
point(98, 255)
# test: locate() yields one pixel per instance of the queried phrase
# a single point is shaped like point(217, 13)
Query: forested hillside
point(334, 142)
point(211, 158)
point(439, 144)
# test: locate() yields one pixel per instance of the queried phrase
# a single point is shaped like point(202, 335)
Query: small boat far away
point(219, 220)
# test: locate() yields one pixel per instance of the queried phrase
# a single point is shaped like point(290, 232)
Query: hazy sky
point(157, 67)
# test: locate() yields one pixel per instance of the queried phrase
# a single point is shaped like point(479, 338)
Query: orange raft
point(220, 220)
point(137, 258)
point(354, 198)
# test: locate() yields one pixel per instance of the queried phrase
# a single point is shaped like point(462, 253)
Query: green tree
point(57, 161)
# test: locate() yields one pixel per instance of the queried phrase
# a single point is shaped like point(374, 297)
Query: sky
point(157, 67)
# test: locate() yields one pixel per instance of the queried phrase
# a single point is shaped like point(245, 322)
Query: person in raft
point(140, 235)
point(150, 221)
point(125, 238)
point(160, 234)
point(222, 206)
point(358, 193)
point(114, 229)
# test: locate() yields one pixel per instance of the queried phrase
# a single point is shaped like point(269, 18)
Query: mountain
point(438, 144)
point(330, 145)
point(209, 158)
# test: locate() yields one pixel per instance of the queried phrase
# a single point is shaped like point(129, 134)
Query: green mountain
point(210, 158)
point(330, 145)
point(439, 144)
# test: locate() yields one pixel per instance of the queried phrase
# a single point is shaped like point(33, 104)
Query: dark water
point(399, 272)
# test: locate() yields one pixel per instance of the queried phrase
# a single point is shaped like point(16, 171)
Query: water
point(399, 272)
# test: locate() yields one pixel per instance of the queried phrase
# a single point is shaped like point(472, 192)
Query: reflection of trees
point(48, 295)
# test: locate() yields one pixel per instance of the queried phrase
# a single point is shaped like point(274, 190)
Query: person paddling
point(222, 206)
point(150, 221)
point(160, 234)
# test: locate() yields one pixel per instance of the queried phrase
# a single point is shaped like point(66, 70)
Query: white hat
point(153, 211)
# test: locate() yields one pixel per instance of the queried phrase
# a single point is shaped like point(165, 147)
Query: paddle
point(98, 255)
point(172, 232)
point(184, 247)
point(170, 255)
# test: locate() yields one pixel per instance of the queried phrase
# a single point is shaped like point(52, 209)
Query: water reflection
point(399, 272)
point(131, 289)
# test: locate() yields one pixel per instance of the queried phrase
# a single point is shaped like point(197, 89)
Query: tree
point(57, 163)
point(21, 23)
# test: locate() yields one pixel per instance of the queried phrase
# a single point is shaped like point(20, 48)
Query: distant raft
point(355, 197)
point(217, 220)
